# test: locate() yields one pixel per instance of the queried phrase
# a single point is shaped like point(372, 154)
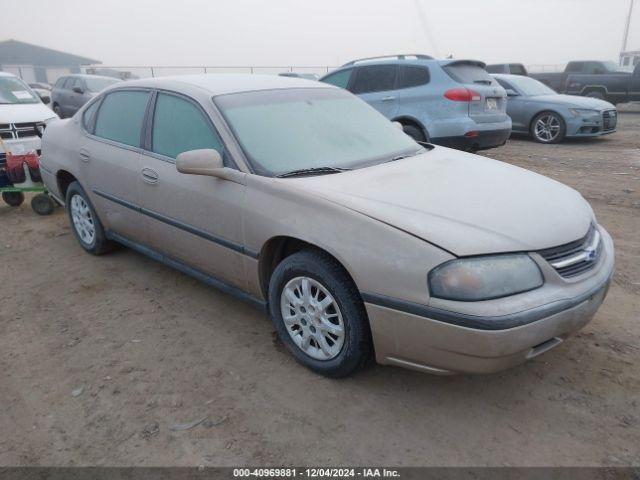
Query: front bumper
point(424, 338)
point(482, 141)
point(603, 124)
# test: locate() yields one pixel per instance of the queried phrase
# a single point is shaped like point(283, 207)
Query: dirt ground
point(100, 356)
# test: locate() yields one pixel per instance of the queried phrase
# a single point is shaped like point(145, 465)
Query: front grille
point(609, 120)
point(14, 131)
point(576, 257)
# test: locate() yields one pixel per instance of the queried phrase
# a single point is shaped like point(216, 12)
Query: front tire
point(85, 223)
point(57, 110)
point(13, 199)
point(319, 314)
point(548, 127)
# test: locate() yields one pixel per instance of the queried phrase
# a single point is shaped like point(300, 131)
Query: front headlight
point(583, 112)
point(484, 278)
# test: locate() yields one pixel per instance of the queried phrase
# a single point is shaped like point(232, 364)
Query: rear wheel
point(548, 127)
point(42, 204)
point(13, 199)
point(85, 223)
point(414, 132)
point(319, 314)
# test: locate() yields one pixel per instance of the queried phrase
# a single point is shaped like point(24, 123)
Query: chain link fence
point(50, 74)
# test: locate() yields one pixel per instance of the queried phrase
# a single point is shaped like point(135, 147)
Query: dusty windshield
point(14, 91)
point(311, 128)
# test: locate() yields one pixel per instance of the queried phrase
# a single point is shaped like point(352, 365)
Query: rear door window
point(375, 78)
point(339, 79)
point(469, 73)
point(413, 76)
point(121, 116)
point(180, 126)
point(575, 67)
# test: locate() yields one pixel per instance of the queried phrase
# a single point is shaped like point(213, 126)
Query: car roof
point(408, 61)
point(6, 74)
point(87, 75)
point(225, 83)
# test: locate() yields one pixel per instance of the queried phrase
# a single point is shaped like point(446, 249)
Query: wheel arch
point(276, 249)
point(64, 178)
point(546, 110)
point(409, 120)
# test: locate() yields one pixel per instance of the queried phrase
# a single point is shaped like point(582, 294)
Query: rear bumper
point(482, 141)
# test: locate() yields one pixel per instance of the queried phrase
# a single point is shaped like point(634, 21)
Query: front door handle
point(85, 156)
point(388, 99)
point(149, 175)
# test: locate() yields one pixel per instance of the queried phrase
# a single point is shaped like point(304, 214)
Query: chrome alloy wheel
point(83, 220)
point(312, 318)
point(547, 128)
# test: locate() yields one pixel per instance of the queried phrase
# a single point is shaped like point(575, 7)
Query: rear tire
point(85, 223)
point(414, 132)
point(42, 204)
point(13, 199)
point(326, 327)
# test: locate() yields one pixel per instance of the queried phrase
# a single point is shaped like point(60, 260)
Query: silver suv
point(454, 103)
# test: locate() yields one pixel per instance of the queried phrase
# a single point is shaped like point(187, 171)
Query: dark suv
point(72, 91)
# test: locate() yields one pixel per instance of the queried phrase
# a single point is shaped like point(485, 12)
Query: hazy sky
point(320, 32)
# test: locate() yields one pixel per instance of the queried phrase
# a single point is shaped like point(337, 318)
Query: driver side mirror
point(511, 92)
point(77, 90)
point(207, 162)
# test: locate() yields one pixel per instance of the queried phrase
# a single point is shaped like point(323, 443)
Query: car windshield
point(530, 86)
point(285, 130)
point(15, 91)
point(95, 84)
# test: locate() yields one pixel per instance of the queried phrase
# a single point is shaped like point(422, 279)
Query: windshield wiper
point(305, 171)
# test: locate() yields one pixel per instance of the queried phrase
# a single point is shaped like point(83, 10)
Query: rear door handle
point(85, 156)
point(388, 99)
point(149, 175)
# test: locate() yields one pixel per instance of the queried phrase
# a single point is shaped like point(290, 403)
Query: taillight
point(462, 95)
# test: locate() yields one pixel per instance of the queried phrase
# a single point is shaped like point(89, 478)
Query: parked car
point(550, 117)
point(303, 200)
point(307, 76)
point(43, 90)
point(454, 103)
point(72, 91)
point(508, 68)
point(22, 116)
point(602, 80)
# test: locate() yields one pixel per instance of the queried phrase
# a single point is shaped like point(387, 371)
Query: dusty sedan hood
point(466, 204)
point(574, 101)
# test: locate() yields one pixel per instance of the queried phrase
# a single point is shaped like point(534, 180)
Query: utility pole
point(422, 16)
point(626, 28)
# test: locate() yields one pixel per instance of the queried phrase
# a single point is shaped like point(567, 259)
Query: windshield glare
point(15, 91)
point(292, 129)
point(95, 84)
point(530, 86)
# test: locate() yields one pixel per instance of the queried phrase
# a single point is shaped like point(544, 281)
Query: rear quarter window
point(468, 73)
point(413, 76)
